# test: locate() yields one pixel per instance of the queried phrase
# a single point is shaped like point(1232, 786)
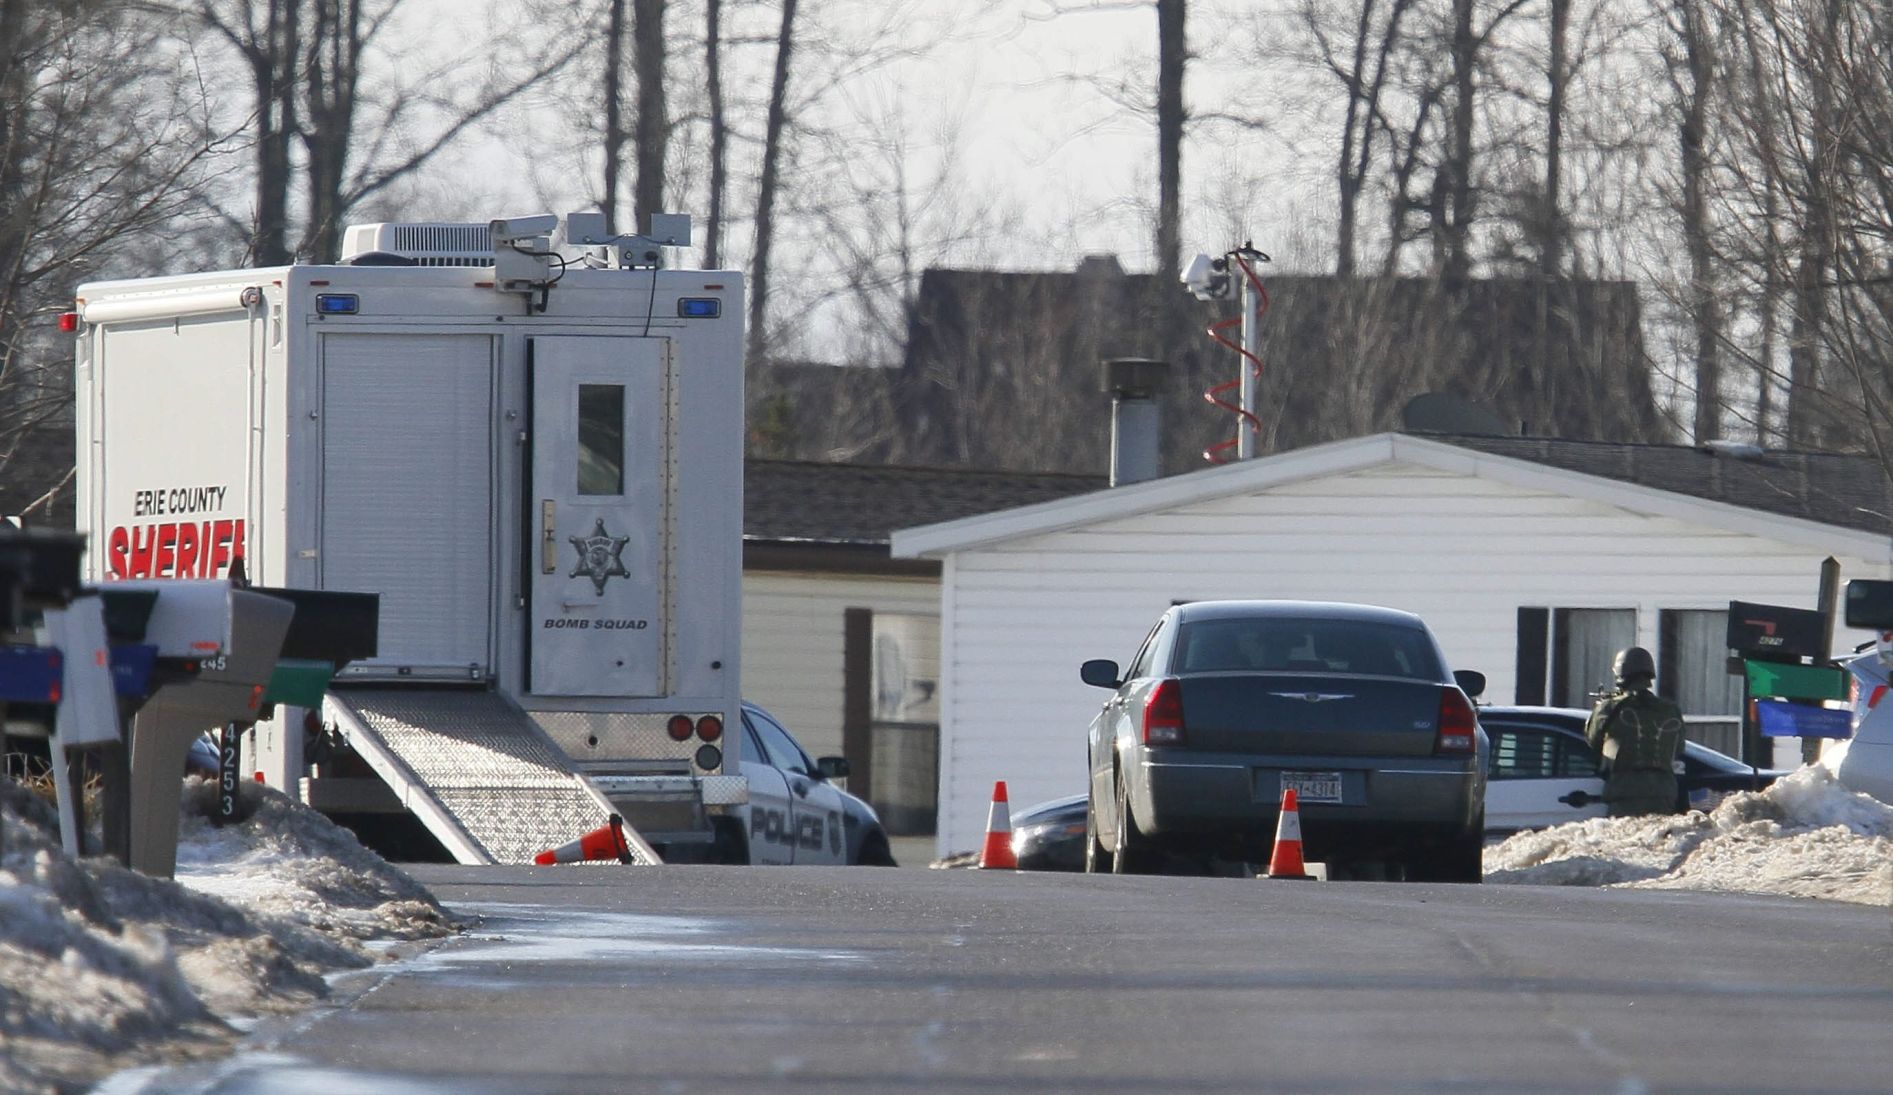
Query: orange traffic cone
point(1286, 862)
point(997, 854)
point(605, 842)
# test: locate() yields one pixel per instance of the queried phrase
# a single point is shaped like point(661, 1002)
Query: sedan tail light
point(1163, 713)
point(1458, 725)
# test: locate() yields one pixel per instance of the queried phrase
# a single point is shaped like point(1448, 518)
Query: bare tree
point(1172, 115)
point(1791, 112)
point(615, 136)
point(267, 35)
point(1361, 62)
point(653, 132)
point(103, 142)
point(773, 135)
point(1689, 57)
point(306, 60)
point(719, 132)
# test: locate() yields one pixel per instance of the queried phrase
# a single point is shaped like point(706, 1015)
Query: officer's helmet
point(1633, 666)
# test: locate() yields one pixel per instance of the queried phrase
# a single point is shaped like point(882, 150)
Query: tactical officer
point(1640, 735)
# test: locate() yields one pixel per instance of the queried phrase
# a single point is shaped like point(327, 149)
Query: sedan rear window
point(1276, 644)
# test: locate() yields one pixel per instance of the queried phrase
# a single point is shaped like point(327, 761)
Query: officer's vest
point(1645, 732)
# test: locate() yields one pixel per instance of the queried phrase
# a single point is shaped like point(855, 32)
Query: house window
point(1692, 670)
point(1564, 654)
point(891, 715)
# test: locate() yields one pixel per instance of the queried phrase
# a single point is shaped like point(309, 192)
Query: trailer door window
point(601, 439)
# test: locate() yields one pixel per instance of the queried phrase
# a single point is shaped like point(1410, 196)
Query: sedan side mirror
point(1099, 673)
point(1470, 681)
point(832, 767)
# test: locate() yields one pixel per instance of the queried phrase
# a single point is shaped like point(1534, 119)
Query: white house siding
point(1461, 551)
point(792, 642)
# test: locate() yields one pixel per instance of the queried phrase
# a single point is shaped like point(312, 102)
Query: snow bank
point(1805, 836)
point(102, 968)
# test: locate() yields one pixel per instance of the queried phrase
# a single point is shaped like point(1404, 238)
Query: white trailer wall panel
point(1462, 551)
point(404, 480)
point(792, 642)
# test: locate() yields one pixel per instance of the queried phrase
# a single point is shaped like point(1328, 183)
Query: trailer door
point(407, 494)
point(599, 514)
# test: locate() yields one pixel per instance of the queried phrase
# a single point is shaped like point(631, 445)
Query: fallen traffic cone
point(605, 842)
point(997, 854)
point(1286, 862)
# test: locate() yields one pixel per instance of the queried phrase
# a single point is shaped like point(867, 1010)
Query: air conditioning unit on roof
point(418, 244)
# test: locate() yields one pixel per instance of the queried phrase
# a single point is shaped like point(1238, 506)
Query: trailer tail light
point(68, 322)
point(679, 728)
point(709, 728)
point(1163, 713)
point(1458, 725)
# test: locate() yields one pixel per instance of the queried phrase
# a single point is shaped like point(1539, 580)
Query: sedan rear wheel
point(1129, 854)
point(1097, 856)
point(1461, 860)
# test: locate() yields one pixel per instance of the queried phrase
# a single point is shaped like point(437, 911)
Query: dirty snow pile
point(102, 968)
point(1805, 836)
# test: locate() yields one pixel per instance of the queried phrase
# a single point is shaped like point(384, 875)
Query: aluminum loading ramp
point(475, 769)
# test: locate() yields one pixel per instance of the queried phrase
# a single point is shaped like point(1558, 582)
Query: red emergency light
point(68, 322)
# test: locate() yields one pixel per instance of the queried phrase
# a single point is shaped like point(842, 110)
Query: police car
point(795, 813)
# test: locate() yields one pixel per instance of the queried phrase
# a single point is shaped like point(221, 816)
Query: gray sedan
point(1229, 703)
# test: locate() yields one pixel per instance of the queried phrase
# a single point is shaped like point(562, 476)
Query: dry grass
point(30, 771)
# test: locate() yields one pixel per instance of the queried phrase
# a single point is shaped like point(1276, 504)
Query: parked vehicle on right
point(1865, 763)
point(1051, 835)
point(1543, 773)
point(1229, 703)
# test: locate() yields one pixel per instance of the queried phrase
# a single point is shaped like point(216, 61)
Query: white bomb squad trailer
point(534, 457)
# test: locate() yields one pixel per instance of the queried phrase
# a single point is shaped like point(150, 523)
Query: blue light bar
point(337, 304)
point(700, 307)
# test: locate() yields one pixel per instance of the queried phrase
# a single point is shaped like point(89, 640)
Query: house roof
point(1830, 488)
point(1828, 501)
point(789, 501)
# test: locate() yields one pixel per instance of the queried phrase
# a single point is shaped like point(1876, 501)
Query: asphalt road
point(682, 979)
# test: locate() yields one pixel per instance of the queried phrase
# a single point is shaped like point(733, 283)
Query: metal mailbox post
point(232, 637)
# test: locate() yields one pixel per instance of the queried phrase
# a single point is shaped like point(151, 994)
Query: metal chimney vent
point(1136, 452)
point(419, 244)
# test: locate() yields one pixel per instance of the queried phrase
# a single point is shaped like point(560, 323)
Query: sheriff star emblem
point(600, 556)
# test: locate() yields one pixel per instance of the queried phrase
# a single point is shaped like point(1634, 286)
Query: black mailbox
point(1776, 632)
point(37, 569)
point(330, 626)
point(127, 611)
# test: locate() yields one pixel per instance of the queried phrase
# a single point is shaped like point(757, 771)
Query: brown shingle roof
point(788, 500)
point(840, 503)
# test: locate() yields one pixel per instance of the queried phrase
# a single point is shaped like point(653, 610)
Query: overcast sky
point(1014, 89)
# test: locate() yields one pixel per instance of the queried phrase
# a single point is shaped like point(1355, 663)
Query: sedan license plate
point(1313, 786)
